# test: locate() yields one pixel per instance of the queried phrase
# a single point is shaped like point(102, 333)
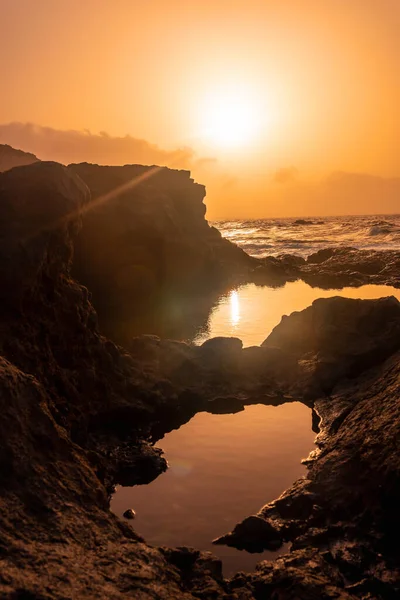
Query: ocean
point(303, 236)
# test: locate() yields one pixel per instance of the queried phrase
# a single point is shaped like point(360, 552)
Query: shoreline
point(80, 411)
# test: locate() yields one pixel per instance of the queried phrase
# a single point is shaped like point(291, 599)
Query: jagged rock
point(340, 267)
point(254, 534)
point(76, 411)
point(338, 337)
point(355, 473)
point(79, 411)
point(305, 575)
point(145, 244)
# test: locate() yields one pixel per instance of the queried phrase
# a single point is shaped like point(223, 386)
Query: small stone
point(129, 514)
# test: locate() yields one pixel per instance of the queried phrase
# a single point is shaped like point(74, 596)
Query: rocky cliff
point(146, 247)
point(75, 411)
point(78, 411)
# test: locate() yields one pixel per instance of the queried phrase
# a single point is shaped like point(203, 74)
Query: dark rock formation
point(146, 248)
point(342, 518)
point(10, 158)
point(340, 267)
point(75, 409)
point(337, 338)
point(303, 222)
point(78, 413)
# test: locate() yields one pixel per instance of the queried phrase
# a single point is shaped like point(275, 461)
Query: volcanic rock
point(145, 245)
point(79, 414)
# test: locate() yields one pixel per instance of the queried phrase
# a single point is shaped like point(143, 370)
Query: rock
point(290, 261)
point(339, 267)
point(303, 222)
point(79, 411)
point(254, 534)
point(146, 246)
point(129, 514)
point(227, 346)
point(354, 473)
point(338, 337)
point(220, 353)
point(324, 254)
point(36, 237)
point(75, 412)
point(299, 575)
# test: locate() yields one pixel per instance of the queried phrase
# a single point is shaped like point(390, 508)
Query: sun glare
point(235, 308)
point(230, 118)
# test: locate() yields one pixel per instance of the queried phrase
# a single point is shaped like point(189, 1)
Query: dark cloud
point(285, 175)
point(82, 146)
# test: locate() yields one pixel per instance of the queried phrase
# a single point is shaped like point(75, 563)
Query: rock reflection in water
point(222, 468)
point(252, 311)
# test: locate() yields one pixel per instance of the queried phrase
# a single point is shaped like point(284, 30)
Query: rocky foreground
point(79, 411)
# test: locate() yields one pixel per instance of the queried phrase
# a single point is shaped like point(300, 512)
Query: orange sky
point(320, 81)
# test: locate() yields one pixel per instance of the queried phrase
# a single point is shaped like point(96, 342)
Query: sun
point(230, 117)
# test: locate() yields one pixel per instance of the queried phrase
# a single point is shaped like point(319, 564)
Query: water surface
point(222, 468)
point(271, 237)
point(251, 312)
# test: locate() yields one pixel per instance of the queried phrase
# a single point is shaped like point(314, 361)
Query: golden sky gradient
point(279, 94)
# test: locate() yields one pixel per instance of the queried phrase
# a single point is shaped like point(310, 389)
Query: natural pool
point(225, 467)
point(222, 469)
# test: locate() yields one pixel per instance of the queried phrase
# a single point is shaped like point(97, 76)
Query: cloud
point(83, 146)
point(285, 175)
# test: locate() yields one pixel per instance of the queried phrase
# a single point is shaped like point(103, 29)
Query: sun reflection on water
point(251, 312)
point(235, 308)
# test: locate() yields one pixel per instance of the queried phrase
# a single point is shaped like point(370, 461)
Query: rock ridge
point(79, 413)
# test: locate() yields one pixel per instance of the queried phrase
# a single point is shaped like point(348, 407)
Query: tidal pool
point(222, 468)
point(251, 311)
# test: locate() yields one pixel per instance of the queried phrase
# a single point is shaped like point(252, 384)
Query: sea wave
point(271, 237)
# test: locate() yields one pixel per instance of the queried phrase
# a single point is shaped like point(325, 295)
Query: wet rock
point(228, 346)
point(340, 267)
point(303, 222)
point(137, 464)
point(129, 514)
point(324, 254)
point(254, 534)
point(291, 262)
point(353, 474)
point(337, 338)
point(274, 271)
